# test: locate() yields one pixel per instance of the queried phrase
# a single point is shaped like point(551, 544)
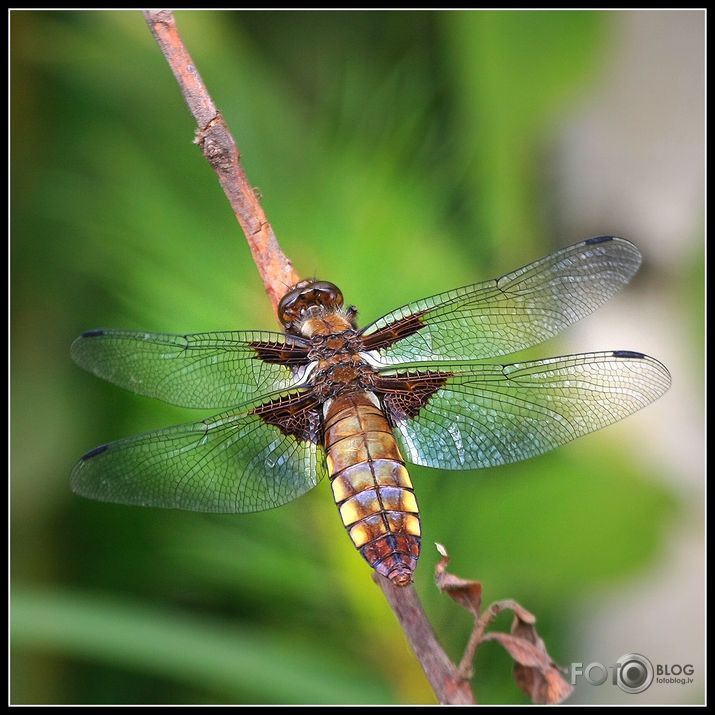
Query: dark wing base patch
point(397, 330)
point(404, 395)
point(280, 353)
point(295, 416)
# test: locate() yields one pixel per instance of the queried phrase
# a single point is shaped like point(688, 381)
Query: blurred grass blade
point(206, 652)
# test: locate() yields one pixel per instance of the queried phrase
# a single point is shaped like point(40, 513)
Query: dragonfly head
point(308, 299)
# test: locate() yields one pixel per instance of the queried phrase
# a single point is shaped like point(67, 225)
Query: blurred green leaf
point(562, 524)
point(512, 73)
point(269, 664)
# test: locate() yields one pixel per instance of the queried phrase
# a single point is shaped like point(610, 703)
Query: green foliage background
point(398, 155)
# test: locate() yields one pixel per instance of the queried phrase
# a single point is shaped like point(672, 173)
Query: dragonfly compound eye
point(305, 295)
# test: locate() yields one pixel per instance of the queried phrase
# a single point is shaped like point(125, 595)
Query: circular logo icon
point(635, 673)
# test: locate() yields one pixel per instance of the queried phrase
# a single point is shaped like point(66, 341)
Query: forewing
point(471, 416)
point(507, 314)
point(260, 457)
point(208, 370)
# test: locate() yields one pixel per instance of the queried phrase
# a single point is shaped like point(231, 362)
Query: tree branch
point(449, 685)
point(219, 148)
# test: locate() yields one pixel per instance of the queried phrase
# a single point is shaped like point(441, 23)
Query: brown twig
point(466, 665)
point(219, 148)
point(449, 685)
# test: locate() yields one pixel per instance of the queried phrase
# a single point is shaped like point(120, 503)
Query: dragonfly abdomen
point(371, 485)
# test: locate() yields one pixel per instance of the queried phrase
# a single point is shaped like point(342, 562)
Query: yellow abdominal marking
point(367, 530)
point(372, 501)
point(411, 525)
point(360, 506)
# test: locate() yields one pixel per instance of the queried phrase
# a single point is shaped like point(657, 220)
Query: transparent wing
point(507, 314)
point(470, 416)
point(258, 458)
point(208, 370)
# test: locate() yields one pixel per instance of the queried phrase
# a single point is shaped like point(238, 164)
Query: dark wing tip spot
point(92, 333)
point(628, 354)
point(94, 452)
point(598, 239)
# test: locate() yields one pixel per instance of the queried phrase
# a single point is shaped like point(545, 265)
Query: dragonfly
point(326, 398)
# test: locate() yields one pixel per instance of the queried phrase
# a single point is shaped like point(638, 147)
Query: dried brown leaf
point(544, 688)
point(534, 671)
point(521, 650)
point(467, 593)
point(523, 616)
